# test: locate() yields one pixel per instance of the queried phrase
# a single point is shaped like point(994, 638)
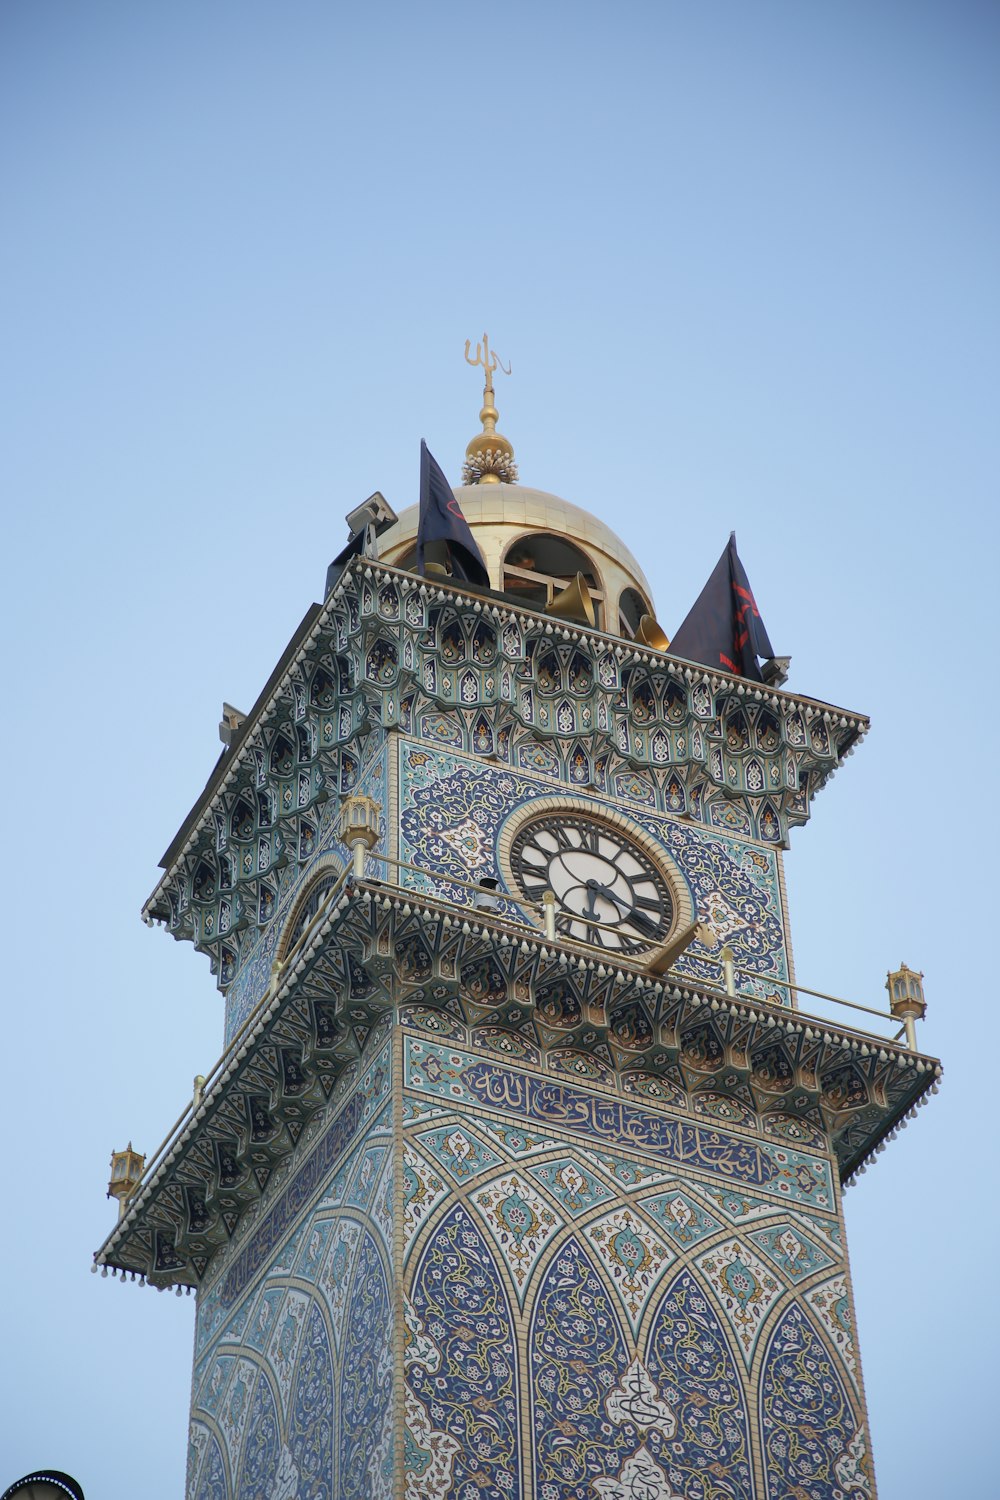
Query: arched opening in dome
point(539, 565)
point(434, 552)
point(408, 561)
point(631, 608)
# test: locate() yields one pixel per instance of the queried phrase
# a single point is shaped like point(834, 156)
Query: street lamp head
point(126, 1174)
point(906, 993)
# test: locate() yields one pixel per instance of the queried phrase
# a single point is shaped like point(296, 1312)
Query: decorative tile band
point(465, 1079)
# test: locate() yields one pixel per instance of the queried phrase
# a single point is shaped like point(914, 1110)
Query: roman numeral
point(648, 903)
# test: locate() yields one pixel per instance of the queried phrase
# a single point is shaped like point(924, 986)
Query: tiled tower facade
point(487, 1200)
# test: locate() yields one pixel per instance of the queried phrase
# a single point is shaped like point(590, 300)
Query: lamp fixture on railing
point(359, 817)
point(906, 1000)
point(126, 1174)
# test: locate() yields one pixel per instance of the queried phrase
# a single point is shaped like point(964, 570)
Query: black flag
point(724, 628)
point(441, 520)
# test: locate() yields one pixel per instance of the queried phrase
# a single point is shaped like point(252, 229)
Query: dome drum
point(534, 544)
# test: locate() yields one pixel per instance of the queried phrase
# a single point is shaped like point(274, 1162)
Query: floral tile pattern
point(794, 1253)
point(745, 1289)
point(520, 1221)
point(831, 1304)
point(577, 1355)
point(681, 1217)
point(518, 1143)
point(576, 1189)
point(458, 1296)
point(454, 809)
point(627, 1173)
point(690, 1359)
point(423, 1190)
point(459, 1151)
point(634, 1257)
point(809, 1427)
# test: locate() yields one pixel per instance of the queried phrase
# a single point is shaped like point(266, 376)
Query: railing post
point(728, 970)
point(549, 914)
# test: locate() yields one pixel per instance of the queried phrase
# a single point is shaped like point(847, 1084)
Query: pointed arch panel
point(576, 1354)
point(463, 1386)
point(813, 1443)
point(690, 1360)
point(365, 1378)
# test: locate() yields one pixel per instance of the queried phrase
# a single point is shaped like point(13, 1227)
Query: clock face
point(608, 890)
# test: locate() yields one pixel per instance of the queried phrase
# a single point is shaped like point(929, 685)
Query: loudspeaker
point(574, 603)
point(650, 634)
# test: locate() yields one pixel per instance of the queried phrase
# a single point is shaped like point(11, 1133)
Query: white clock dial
point(608, 890)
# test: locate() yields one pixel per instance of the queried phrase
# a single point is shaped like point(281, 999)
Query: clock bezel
point(616, 823)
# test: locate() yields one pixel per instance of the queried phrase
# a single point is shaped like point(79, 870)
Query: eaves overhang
point(380, 953)
point(388, 637)
point(223, 766)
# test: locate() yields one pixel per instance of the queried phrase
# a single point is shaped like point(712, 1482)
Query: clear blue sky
point(744, 258)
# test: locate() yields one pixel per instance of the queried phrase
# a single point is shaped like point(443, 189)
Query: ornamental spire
point(489, 458)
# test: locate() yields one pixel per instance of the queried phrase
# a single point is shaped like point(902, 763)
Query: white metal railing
point(728, 970)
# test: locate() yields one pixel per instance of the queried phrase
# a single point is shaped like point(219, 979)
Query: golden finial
point(489, 458)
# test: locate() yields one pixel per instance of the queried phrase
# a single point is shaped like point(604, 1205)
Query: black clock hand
point(597, 889)
point(637, 918)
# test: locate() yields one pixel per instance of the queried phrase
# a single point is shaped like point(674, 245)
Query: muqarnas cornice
point(390, 651)
point(380, 951)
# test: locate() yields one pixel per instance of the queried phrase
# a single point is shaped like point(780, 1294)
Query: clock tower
point(520, 1174)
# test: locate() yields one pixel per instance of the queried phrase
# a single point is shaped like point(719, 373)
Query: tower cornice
point(389, 647)
point(310, 1036)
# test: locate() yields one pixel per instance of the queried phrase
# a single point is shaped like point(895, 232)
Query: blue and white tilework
point(465, 1078)
point(600, 1297)
point(293, 1373)
point(664, 1281)
point(254, 973)
point(453, 812)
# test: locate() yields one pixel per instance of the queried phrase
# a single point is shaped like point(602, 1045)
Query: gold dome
point(502, 515)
